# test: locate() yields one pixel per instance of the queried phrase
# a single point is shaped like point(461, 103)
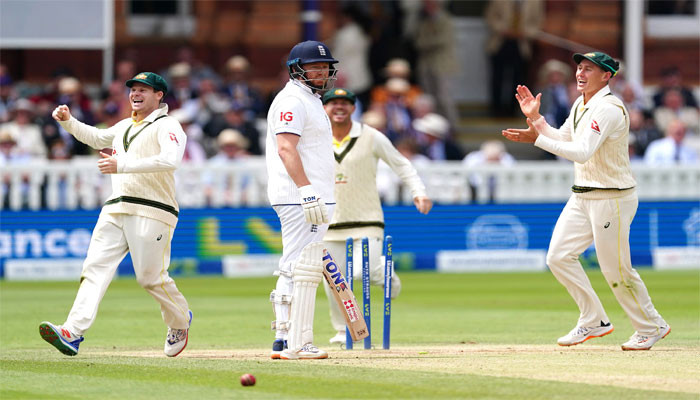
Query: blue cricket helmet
point(307, 52)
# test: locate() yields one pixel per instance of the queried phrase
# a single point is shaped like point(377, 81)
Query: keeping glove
point(315, 211)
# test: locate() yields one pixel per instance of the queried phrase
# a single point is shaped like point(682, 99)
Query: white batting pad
point(307, 274)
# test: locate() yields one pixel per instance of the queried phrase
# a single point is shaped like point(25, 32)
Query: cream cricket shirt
point(595, 137)
point(358, 212)
point(147, 152)
point(298, 111)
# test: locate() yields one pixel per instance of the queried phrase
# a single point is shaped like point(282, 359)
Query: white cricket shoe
point(176, 340)
point(307, 352)
point(644, 342)
point(582, 333)
point(339, 338)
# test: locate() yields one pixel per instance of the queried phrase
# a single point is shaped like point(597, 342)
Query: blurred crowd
point(402, 90)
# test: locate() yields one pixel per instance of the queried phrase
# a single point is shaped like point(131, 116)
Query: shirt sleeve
point(561, 134)
point(172, 141)
point(94, 137)
point(288, 116)
point(604, 122)
point(398, 163)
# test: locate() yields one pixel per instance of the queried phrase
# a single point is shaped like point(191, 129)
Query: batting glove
point(315, 211)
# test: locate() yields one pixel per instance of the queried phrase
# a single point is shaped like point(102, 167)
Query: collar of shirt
point(596, 97)
point(303, 88)
point(355, 131)
point(161, 110)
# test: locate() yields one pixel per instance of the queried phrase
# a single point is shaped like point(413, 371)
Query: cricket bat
point(346, 300)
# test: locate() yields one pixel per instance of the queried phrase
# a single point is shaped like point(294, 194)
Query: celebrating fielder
point(299, 154)
point(358, 212)
point(602, 206)
point(138, 218)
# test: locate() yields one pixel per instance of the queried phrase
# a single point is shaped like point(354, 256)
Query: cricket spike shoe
point(582, 333)
point(644, 342)
point(339, 338)
point(277, 346)
point(61, 338)
point(176, 341)
point(307, 352)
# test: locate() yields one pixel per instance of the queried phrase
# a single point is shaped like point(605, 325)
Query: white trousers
point(606, 222)
point(148, 241)
point(296, 234)
point(376, 273)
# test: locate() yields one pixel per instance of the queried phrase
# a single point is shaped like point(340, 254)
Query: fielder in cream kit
point(139, 217)
point(299, 154)
point(602, 206)
point(358, 213)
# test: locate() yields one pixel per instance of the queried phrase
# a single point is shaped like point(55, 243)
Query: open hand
point(529, 105)
point(528, 135)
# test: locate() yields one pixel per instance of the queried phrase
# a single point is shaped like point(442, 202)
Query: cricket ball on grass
point(247, 380)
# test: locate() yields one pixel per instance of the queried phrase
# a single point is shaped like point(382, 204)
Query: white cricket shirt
point(297, 110)
point(595, 136)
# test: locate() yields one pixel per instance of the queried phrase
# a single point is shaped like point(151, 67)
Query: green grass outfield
point(466, 336)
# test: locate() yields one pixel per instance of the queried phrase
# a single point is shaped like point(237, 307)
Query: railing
point(77, 184)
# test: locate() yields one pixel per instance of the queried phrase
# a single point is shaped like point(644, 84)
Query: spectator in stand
point(395, 68)
point(673, 108)
point(220, 187)
point(182, 88)
point(234, 118)
point(115, 102)
point(631, 93)
point(9, 154)
point(436, 130)
point(124, 70)
point(492, 152)
point(513, 25)
point(643, 129)
point(350, 45)
point(26, 134)
point(423, 105)
point(396, 109)
point(59, 151)
point(194, 152)
point(671, 79)
point(210, 102)
point(671, 149)
point(238, 86)
point(436, 60)
point(554, 77)
point(7, 94)
point(232, 146)
point(376, 119)
point(71, 94)
point(49, 127)
point(198, 69)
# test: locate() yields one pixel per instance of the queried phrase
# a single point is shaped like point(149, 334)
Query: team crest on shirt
point(594, 127)
point(341, 178)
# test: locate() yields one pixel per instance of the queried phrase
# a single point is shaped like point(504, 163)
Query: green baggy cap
point(600, 59)
point(151, 79)
point(339, 94)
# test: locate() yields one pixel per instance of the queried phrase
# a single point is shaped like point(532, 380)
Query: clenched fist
point(61, 113)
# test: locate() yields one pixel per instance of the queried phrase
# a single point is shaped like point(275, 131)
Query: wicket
point(366, 304)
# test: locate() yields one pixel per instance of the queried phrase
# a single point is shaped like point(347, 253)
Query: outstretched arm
point(91, 136)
